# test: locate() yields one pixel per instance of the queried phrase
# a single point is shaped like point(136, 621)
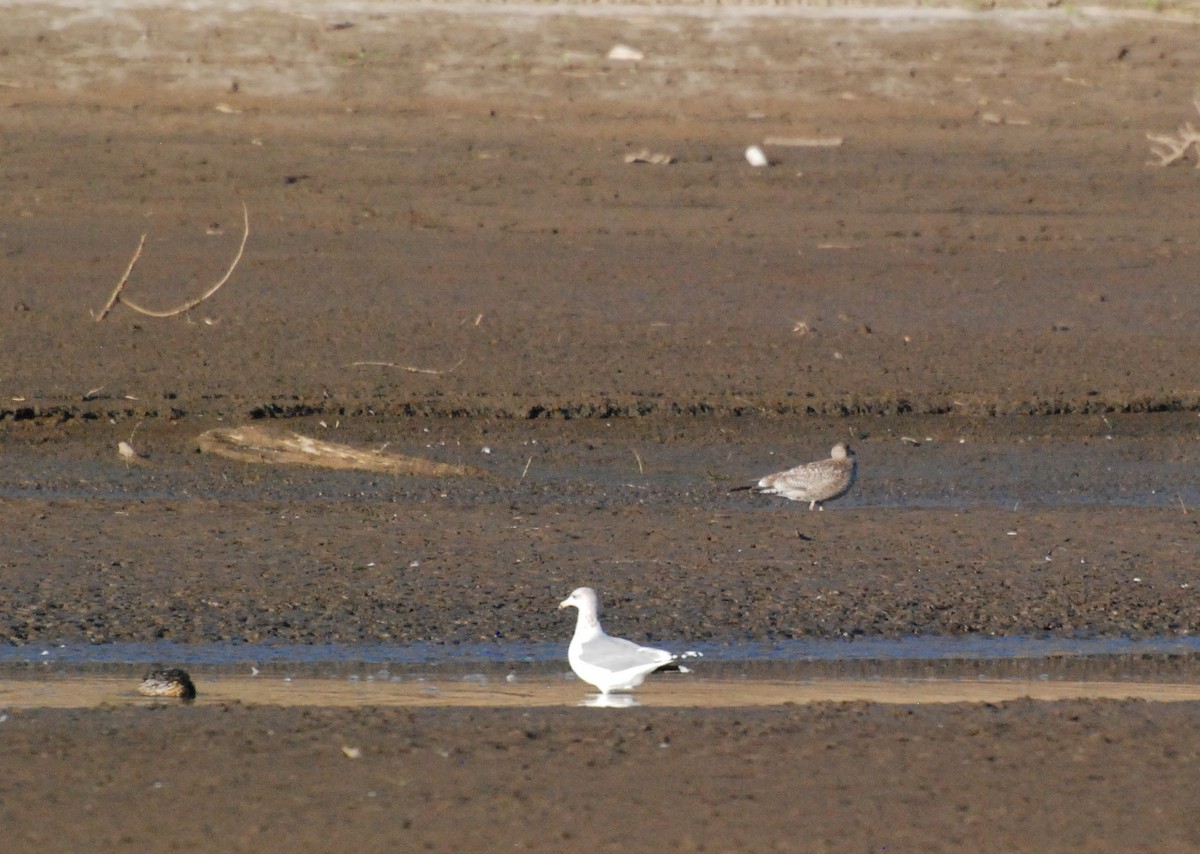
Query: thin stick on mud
point(409, 368)
point(116, 294)
point(1181, 504)
point(190, 304)
point(638, 457)
point(528, 463)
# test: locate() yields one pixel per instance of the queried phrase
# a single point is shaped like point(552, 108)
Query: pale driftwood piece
point(409, 368)
point(116, 294)
point(1168, 148)
point(254, 444)
point(647, 156)
point(187, 306)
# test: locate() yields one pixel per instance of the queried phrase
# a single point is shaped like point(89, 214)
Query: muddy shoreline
point(984, 287)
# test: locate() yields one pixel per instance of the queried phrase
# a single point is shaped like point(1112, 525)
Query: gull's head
point(583, 598)
point(840, 451)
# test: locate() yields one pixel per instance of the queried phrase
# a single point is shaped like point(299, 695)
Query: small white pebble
point(626, 53)
point(486, 449)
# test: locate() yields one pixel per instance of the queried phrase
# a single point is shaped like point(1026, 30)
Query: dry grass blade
point(409, 368)
point(190, 304)
point(804, 141)
point(253, 444)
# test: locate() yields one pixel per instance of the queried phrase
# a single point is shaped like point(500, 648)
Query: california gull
point(815, 482)
point(611, 664)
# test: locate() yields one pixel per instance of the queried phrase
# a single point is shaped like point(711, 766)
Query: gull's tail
point(673, 666)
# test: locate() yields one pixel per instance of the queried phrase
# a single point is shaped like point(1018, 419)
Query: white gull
point(611, 664)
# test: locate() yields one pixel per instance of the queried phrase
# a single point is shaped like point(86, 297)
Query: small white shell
point(755, 156)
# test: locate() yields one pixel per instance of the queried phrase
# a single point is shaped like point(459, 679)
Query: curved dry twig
point(190, 304)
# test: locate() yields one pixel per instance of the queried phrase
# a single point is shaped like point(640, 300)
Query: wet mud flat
point(984, 287)
point(989, 528)
point(184, 547)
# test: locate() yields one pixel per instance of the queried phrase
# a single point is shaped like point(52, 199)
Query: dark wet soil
point(984, 528)
point(984, 288)
point(1101, 776)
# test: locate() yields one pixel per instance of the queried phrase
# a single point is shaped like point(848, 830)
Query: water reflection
point(609, 701)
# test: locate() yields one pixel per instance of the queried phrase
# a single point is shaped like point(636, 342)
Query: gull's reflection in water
point(609, 701)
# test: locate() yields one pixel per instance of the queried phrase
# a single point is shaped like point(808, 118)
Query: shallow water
point(908, 670)
point(937, 648)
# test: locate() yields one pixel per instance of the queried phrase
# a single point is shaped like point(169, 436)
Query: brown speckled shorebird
point(816, 483)
point(168, 683)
